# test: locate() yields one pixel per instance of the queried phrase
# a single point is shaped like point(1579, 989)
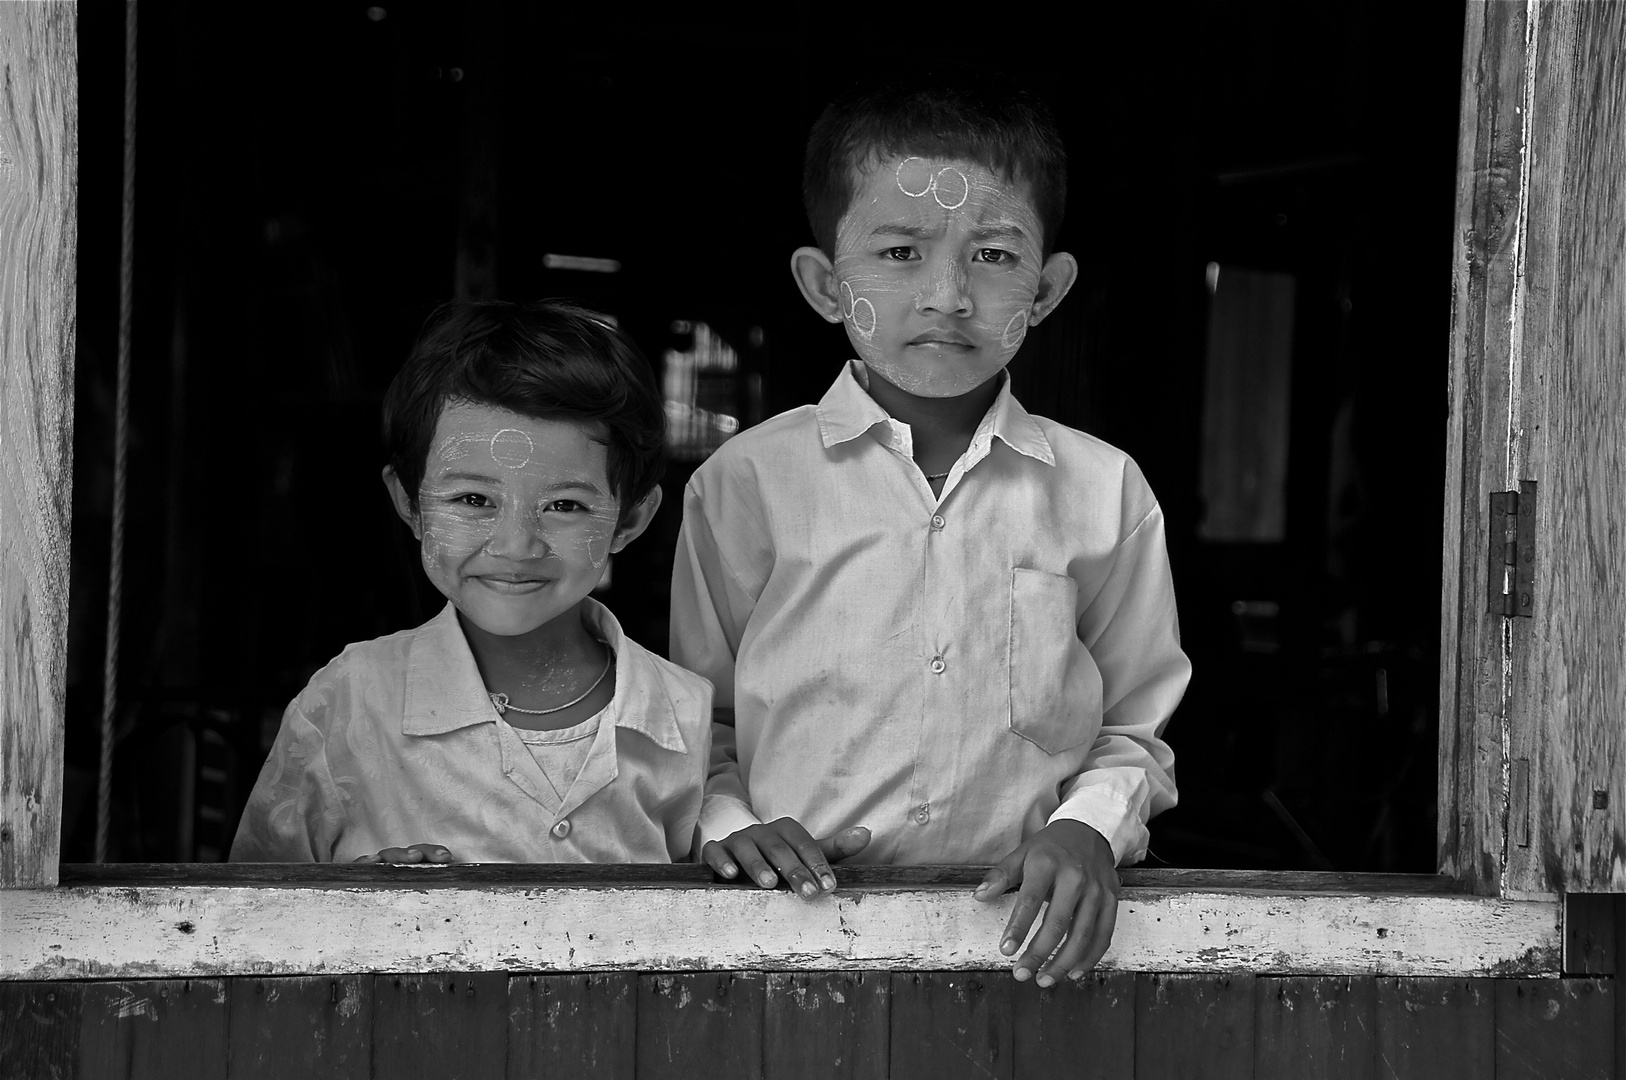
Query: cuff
point(1112, 818)
point(722, 816)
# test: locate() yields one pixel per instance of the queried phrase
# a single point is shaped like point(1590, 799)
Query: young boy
point(519, 724)
point(945, 627)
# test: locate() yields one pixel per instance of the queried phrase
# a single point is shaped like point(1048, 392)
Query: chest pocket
point(1055, 687)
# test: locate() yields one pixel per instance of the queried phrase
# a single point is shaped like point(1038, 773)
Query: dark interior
point(312, 180)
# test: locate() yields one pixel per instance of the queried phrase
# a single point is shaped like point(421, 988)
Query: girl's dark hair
point(1009, 132)
point(550, 360)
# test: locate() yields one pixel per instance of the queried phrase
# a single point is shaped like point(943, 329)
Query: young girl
point(519, 724)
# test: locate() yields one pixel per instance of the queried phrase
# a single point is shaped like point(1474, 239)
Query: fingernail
point(1045, 981)
point(809, 889)
point(766, 880)
point(1022, 974)
point(730, 870)
point(1008, 946)
point(1076, 976)
point(828, 881)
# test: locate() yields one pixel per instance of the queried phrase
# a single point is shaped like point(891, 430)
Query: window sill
point(149, 921)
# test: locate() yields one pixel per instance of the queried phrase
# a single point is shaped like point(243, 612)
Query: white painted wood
point(196, 931)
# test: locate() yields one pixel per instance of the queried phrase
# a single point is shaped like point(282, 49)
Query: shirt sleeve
point(295, 812)
point(1133, 634)
point(710, 607)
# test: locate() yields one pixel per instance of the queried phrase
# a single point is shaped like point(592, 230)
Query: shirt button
point(562, 829)
point(923, 813)
point(937, 665)
point(938, 522)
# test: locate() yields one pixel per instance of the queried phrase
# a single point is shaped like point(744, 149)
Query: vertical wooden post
point(1532, 754)
point(39, 177)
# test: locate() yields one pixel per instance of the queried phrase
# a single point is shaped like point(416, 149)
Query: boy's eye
point(994, 255)
point(473, 498)
point(565, 506)
point(899, 254)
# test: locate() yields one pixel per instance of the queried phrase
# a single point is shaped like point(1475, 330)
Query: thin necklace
point(937, 476)
point(502, 706)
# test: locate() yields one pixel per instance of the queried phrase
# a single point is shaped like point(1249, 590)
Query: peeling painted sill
point(146, 921)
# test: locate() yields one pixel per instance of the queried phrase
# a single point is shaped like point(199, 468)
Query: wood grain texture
point(1473, 730)
point(1548, 1028)
point(39, 1028)
point(1321, 1026)
point(573, 1026)
point(952, 1024)
point(441, 1027)
point(314, 1028)
point(701, 1024)
point(1194, 1027)
point(826, 1025)
point(688, 875)
point(1084, 1031)
point(1433, 1028)
point(1568, 709)
point(39, 170)
point(154, 1030)
point(135, 932)
point(1537, 347)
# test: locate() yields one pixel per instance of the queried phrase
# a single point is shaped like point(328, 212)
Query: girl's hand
point(417, 853)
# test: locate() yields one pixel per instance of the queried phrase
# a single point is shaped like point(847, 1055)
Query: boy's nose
point(949, 290)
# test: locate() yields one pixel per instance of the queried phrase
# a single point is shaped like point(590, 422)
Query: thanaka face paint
point(515, 516)
point(937, 265)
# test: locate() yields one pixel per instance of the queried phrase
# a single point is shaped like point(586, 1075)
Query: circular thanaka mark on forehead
point(948, 186)
point(512, 448)
point(1015, 330)
point(914, 177)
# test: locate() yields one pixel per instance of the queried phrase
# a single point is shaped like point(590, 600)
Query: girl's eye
point(565, 506)
point(473, 498)
point(899, 254)
point(995, 255)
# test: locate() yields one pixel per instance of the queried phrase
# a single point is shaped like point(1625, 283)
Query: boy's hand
point(1071, 866)
point(417, 853)
point(784, 845)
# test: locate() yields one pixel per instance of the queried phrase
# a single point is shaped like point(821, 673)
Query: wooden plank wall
point(774, 1025)
point(39, 180)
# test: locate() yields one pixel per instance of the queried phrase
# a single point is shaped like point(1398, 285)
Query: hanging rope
point(121, 443)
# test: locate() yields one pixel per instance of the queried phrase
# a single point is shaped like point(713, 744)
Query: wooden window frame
point(1490, 912)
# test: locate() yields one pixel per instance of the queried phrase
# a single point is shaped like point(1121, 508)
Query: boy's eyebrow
point(926, 232)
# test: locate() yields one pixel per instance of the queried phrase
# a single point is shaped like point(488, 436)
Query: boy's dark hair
point(550, 360)
point(1009, 132)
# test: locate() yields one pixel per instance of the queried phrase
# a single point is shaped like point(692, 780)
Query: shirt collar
point(847, 411)
point(444, 690)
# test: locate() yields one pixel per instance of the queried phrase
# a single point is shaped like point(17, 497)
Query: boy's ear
point(816, 277)
point(637, 520)
point(1055, 278)
point(402, 504)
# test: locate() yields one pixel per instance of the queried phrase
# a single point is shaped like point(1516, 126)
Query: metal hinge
point(1512, 587)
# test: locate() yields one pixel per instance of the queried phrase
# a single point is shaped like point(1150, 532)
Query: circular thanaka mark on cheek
point(512, 448)
point(863, 317)
point(1015, 330)
point(858, 311)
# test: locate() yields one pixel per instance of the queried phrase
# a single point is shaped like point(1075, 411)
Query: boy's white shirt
point(396, 742)
point(952, 672)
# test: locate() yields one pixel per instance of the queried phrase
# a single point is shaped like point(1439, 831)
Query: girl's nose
point(518, 535)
